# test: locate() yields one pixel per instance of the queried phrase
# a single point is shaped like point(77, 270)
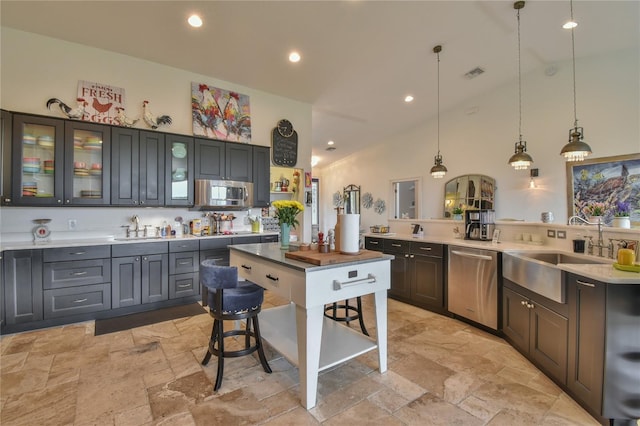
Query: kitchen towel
point(349, 233)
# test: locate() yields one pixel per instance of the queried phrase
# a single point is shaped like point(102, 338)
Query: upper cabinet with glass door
point(179, 182)
point(87, 163)
point(37, 164)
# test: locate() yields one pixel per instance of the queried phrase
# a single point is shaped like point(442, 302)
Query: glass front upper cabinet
point(179, 182)
point(37, 165)
point(87, 161)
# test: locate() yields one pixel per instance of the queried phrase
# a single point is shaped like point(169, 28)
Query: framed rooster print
point(220, 114)
point(607, 180)
point(101, 101)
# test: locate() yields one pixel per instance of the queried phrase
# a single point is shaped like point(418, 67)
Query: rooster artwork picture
point(152, 120)
point(220, 114)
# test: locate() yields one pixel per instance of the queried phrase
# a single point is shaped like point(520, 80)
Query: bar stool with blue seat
point(230, 300)
point(351, 313)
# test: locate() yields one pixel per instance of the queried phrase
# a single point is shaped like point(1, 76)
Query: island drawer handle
point(80, 300)
point(337, 285)
point(79, 273)
point(272, 278)
point(584, 283)
point(246, 267)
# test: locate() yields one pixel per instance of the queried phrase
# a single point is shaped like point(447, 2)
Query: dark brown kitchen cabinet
point(400, 279)
point(261, 176)
point(140, 273)
point(179, 179)
point(587, 300)
point(416, 271)
point(138, 167)
point(23, 286)
point(536, 330)
point(218, 160)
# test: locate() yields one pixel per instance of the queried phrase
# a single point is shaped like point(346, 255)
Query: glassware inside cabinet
point(38, 160)
point(87, 164)
point(179, 171)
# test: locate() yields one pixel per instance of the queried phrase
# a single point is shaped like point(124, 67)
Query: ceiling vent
point(331, 148)
point(474, 73)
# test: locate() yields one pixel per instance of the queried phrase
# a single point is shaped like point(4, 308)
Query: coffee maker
point(479, 224)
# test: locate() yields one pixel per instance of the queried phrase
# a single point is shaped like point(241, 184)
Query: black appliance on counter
point(479, 224)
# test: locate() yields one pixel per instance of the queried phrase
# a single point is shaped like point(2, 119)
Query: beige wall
point(36, 68)
point(608, 95)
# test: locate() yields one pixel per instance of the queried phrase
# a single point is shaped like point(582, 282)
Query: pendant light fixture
point(520, 160)
point(576, 149)
point(438, 170)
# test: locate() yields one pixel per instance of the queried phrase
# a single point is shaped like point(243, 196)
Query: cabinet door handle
point(412, 256)
point(585, 283)
point(375, 243)
point(184, 263)
point(406, 255)
point(425, 248)
point(246, 267)
point(184, 285)
point(137, 259)
point(77, 274)
point(80, 300)
point(396, 245)
point(272, 278)
point(77, 253)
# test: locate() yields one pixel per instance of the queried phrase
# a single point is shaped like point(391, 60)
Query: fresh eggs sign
point(101, 100)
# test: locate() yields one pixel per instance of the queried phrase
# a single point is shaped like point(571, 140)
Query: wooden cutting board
point(321, 259)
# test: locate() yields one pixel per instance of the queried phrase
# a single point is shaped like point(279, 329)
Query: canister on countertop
point(196, 227)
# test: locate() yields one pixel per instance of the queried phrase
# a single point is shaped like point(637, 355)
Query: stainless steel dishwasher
point(472, 288)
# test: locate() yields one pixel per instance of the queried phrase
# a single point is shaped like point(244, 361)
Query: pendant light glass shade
point(520, 160)
point(576, 149)
point(438, 170)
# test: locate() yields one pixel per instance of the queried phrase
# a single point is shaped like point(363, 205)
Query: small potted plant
point(621, 213)
point(457, 213)
point(595, 212)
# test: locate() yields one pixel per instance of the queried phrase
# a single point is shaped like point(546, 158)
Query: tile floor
point(441, 372)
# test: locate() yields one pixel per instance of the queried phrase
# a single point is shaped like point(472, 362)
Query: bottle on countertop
point(163, 229)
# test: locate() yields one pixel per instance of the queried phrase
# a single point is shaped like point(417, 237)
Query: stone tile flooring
point(441, 372)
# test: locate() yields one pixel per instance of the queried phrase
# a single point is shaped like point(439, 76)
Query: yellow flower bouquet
point(286, 211)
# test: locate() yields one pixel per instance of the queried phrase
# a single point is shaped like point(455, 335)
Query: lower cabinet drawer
point(76, 273)
point(184, 285)
point(77, 300)
point(184, 262)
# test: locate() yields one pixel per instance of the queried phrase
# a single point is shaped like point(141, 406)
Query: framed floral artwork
point(220, 114)
point(604, 181)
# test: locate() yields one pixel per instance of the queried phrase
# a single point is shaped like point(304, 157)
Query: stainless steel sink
point(555, 258)
point(539, 271)
point(136, 238)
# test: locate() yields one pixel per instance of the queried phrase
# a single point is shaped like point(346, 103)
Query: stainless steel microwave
point(223, 195)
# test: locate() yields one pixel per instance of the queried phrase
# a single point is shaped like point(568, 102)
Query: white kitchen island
point(299, 331)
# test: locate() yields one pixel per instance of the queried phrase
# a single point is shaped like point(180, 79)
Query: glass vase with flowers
point(286, 212)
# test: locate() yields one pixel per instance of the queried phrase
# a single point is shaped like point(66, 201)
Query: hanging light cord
point(438, 97)
point(519, 82)
point(573, 55)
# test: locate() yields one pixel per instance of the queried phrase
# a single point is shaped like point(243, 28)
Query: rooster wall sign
point(102, 101)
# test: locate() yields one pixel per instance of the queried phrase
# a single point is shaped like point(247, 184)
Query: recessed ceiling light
point(408, 98)
point(330, 143)
point(195, 21)
point(294, 57)
point(569, 24)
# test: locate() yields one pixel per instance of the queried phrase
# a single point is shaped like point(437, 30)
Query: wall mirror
point(406, 198)
point(351, 196)
point(469, 192)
